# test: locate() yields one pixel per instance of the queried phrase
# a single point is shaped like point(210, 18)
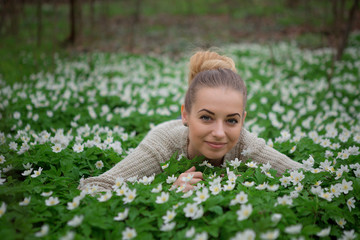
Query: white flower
point(251, 164)
point(348, 235)
point(193, 211)
point(170, 215)
point(324, 232)
point(25, 202)
point(327, 195)
point(122, 215)
point(128, 233)
point(121, 191)
point(262, 186)
point(240, 198)
point(99, 164)
point(171, 179)
point(201, 236)
point(57, 148)
point(273, 188)
point(341, 222)
point(235, 163)
point(292, 149)
point(244, 212)
point(215, 189)
point(147, 180)
point(248, 234)
point(2, 209)
point(189, 233)
point(76, 221)
point(296, 177)
point(187, 194)
point(202, 196)
point(119, 181)
point(269, 235)
point(335, 189)
point(13, 146)
point(2, 159)
point(46, 194)
point(43, 232)
point(74, 204)
point(285, 200)
point(285, 181)
point(69, 236)
point(247, 152)
point(17, 115)
point(265, 167)
point(165, 166)
point(276, 217)
point(299, 187)
point(229, 186)
point(157, 189)
point(27, 166)
point(52, 201)
point(166, 227)
point(78, 148)
point(27, 172)
point(129, 196)
point(248, 184)
point(351, 203)
point(187, 178)
point(294, 229)
point(105, 197)
point(346, 186)
point(163, 198)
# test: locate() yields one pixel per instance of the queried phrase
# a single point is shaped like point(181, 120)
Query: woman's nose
point(218, 130)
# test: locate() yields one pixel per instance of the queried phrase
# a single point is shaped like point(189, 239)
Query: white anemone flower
point(43, 232)
point(76, 221)
point(128, 233)
point(244, 212)
point(122, 215)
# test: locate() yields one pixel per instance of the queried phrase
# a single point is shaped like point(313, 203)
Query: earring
point(185, 124)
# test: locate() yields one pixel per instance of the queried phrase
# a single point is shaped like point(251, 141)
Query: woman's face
point(214, 122)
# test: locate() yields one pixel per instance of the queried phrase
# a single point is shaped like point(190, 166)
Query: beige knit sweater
point(167, 138)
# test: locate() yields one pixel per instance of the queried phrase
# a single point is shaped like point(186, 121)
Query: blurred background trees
point(168, 27)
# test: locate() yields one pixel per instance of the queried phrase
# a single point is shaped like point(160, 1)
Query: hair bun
point(207, 60)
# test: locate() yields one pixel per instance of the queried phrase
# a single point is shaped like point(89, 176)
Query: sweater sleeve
point(156, 147)
point(259, 152)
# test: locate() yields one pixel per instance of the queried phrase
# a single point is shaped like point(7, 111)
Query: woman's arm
point(157, 147)
point(257, 150)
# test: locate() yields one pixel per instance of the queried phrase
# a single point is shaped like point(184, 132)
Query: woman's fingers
point(192, 169)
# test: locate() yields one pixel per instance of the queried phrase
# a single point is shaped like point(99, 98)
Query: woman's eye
point(232, 121)
point(205, 118)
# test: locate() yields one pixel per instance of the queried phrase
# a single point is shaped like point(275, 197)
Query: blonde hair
point(209, 69)
point(207, 60)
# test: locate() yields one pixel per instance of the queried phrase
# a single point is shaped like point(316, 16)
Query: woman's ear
point(244, 116)
point(183, 114)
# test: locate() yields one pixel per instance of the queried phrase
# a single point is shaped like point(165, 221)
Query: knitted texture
point(167, 138)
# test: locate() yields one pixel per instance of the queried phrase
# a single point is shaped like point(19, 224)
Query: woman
point(211, 126)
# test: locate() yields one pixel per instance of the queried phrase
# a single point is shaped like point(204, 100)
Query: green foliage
point(98, 107)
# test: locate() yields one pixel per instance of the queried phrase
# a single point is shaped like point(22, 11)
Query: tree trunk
point(39, 22)
point(345, 35)
point(72, 21)
point(92, 14)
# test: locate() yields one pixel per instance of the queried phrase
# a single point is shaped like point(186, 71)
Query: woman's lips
point(216, 145)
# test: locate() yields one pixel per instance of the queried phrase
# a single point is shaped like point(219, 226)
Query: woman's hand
point(188, 179)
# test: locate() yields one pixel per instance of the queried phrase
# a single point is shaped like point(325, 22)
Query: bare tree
point(39, 22)
point(341, 29)
point(74, 21)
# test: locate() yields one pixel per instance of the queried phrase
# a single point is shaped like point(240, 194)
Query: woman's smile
point(216, 145)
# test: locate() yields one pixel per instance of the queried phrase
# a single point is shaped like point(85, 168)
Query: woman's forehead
point(218, 99)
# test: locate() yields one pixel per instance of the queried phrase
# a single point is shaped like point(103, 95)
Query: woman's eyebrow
point(210, 112)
